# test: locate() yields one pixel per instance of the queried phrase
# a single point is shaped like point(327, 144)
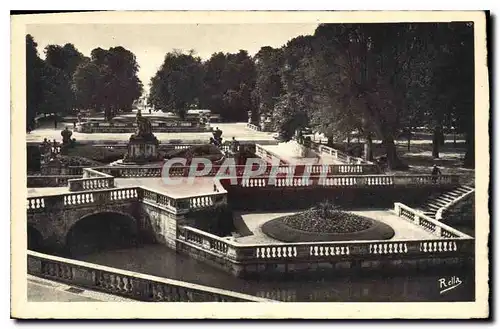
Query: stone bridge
point(148, 213)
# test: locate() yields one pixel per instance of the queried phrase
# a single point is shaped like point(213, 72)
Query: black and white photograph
point(223, 160)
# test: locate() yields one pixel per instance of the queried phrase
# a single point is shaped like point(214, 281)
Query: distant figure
point(235, 145)
point(55, 122)
point(215, 188)
point(74, 124)
point(435, 173)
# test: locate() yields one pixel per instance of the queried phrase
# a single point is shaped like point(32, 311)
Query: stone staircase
point(432, 204)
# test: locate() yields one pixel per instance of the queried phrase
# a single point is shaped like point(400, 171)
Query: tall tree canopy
point(108, 81)
point(227, 85)
point(178, 83)
point(34, 90)
point(377, 79)
point(268, 84)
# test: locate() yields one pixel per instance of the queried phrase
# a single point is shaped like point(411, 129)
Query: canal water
point(160, 261)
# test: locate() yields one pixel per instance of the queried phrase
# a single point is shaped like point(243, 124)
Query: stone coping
point(145, 277)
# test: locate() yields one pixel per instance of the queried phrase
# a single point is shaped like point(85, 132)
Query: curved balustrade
point(126, 283)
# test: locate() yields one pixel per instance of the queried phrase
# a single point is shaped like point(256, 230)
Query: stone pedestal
point(142, 150)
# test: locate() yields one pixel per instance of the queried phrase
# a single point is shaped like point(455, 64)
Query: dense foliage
point(66, 80)
point(380, 81)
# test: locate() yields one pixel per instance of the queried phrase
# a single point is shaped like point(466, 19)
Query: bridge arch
point(102, 230)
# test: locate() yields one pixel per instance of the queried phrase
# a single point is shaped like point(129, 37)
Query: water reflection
point(160, 261)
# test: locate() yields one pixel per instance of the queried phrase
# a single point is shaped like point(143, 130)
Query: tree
point(108, 81)
point(365, 72)
point(227, 85)
point(177, 84)
point(34, 91)
point(268, 84)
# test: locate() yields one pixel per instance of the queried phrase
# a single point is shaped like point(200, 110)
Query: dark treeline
point(379, 80)
point(67, 80)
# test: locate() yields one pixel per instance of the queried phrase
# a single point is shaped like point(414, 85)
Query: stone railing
point(71, 200)
point(441, 211)
point(130, 171)
point(232, 171)
point(50, 181)
point(253, 127)
point(342, 169)
point(349, 181)
point(158, 127)
point(341, 156)
point(429, 224)
point(268, 155)
point(92, 180)
point(128, 284)
point(321, 251)
point(158, 199)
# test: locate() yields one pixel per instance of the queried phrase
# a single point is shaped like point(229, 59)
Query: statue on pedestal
point(144, 128)
point(143, 145)
point(66, 136)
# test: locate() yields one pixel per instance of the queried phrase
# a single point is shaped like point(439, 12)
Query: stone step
point(444, 199)
point(432, 206)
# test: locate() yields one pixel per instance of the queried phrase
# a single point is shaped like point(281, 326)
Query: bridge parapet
point(92, 180)
point(72, 200)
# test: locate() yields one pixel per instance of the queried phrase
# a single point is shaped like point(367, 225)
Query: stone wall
point(162, 224)
point(272, 198)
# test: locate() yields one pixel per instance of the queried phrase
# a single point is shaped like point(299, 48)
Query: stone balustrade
point(253, 127)
point(128, 284)
point(429, 224)
point(341, 156)
point(158, 127)
point(70, 200)
point(131, 171)
point(50, 180)
point(268, 155)
point(155, 198)
point(92, 180)
point(239, 254)
point(349, 181)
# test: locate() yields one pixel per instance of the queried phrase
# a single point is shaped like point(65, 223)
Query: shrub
point(99, 154)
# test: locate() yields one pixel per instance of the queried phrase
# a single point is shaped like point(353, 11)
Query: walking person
point(436, 172)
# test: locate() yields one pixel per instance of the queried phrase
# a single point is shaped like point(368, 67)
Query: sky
point(150, 42)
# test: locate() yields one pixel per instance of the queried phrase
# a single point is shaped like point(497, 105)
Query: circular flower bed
point(325, 223)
